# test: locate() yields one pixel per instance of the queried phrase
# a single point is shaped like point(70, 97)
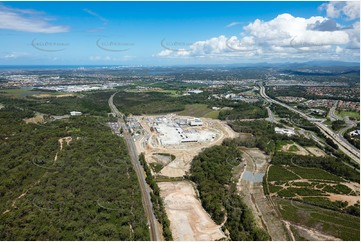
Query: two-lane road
point(147, 203)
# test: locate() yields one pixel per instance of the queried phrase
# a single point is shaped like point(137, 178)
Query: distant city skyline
point(177, 33)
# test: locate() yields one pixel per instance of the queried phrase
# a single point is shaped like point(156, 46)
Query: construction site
point(170, 143)
point(180, 137)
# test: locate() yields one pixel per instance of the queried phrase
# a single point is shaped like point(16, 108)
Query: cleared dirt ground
point(316, 151)
point(47, 95)
point(300, 150)
point(189, 221)
point(38, 118)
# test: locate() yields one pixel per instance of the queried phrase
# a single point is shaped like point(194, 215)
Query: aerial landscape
point(186, 121)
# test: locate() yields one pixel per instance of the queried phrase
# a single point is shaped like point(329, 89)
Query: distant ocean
point(54, 67)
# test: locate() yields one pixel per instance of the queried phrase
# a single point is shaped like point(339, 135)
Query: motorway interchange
point(343, 145)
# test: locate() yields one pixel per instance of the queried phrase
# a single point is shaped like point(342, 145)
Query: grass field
point(340, 225)
point(19, 92)
point(199, 110)
point(170, 92)
point(26, 92)
point(351, 114)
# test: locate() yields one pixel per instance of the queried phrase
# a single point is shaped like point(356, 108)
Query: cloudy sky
point(168, 33)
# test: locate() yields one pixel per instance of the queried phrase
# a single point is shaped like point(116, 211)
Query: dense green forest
point(211, 171)
point(86, 191)
point(244, 110)
point(95, 103)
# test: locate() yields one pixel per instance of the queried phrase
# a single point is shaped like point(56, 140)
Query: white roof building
point(195, 91)
point(288, 132)
point(195, 122)
point(75, 113)
point(355, 133)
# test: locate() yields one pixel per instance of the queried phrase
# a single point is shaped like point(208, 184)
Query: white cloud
point(27, 21)
point(165, 52)
point(14, 55)
point(351, 9)
point(233, 24)
point(286, 35)
point(104, 20)
point(338, 49)
point(107, 58)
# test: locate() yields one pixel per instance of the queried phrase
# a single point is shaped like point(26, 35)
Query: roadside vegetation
point(157, 201)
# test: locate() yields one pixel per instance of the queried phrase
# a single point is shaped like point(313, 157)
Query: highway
point(332, 114)
point(147, 204)
point(345, 147)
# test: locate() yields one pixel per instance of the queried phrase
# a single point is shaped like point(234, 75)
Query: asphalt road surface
point(147, 203)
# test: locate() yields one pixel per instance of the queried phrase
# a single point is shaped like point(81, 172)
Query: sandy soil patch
point(188, 219)
point(38, 119)
point(300, 151)
point(46, 95)
point(344, 198)
point(67, 139)
point(316, 151)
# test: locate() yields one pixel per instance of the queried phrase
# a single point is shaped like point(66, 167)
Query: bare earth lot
point(189, 221)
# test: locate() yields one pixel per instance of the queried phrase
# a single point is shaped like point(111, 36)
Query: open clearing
point(199, 110)
point(295, 149)
point(350, 114)
point(47, 95)
point(37, 119)
point(316, 151)
point(189, 221)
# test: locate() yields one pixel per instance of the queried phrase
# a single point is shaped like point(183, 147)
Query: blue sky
point(167, 33)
